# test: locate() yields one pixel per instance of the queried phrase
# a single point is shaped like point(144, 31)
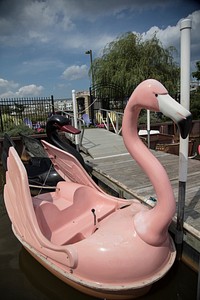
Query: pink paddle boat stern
point(104, 246)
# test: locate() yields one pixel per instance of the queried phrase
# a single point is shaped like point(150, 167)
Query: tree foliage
point(196, 74)
point(129, 59)
point(195, 95)
point(195, 104)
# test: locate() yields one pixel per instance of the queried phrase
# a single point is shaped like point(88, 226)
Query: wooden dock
point(115, 168)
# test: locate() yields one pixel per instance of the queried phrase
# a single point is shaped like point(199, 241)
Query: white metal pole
point(148, 127)
point(185, 30)
point(75, 117)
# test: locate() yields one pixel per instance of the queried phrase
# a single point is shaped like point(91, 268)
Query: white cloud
point(8, 89)
point(75, 72)
point(170, 36)
point(54, 23)
point(29, 22)
point(50, 21)
point(5, 84)
point(8, 94)
point(31, 90)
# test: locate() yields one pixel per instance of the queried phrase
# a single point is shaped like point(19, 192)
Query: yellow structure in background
point(83, 102)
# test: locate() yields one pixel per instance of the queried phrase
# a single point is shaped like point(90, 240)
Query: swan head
point(152, 95)
point(58, 122)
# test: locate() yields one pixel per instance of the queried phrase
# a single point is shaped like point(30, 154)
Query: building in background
point(66, 105)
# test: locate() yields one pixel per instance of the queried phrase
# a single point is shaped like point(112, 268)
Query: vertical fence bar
point(107, 120)
point(1, 121)
point(117, 122)
point(52, 105)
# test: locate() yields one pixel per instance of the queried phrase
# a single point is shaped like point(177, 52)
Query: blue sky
point(43, 43)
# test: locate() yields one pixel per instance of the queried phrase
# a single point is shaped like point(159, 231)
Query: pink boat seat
point(77, 221)
point(62, 197)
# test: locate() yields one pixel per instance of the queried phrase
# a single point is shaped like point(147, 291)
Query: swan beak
point(70, 129)
point(175, 111)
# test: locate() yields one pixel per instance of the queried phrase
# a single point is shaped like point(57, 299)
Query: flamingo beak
point(175, 111)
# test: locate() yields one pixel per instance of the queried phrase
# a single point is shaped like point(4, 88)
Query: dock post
point(75, 117)
point(185, 29)
point(148, 128)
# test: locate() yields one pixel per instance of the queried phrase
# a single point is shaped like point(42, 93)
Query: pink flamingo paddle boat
point(101, 245)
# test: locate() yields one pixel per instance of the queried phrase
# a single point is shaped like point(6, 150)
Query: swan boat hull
point(83, 236)
point(132, 291)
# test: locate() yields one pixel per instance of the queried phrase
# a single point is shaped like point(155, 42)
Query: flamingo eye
point(156, 95)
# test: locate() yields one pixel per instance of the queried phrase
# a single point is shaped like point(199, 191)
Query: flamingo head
point(152, 95)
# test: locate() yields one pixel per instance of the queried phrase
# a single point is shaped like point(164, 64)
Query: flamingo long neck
point(151, 226)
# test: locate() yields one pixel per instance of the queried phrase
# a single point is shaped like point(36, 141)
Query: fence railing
point(111, 120)
point(30, 111)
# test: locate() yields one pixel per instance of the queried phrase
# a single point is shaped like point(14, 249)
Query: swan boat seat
point(68, 219)
point(66, 216)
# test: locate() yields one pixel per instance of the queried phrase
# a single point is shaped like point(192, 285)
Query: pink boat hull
point(106, 259)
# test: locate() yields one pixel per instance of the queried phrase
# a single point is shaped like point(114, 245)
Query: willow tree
point(129, 59)
point(195, 95)
point(196, 74)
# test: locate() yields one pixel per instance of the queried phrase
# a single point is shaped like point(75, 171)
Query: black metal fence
point(107, 96)
point(30, 111)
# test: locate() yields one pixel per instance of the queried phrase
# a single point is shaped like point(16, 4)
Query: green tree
point(196, 74)
point(129, 59)
point(195, 95)
point(195, 104)
point(19, 108)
